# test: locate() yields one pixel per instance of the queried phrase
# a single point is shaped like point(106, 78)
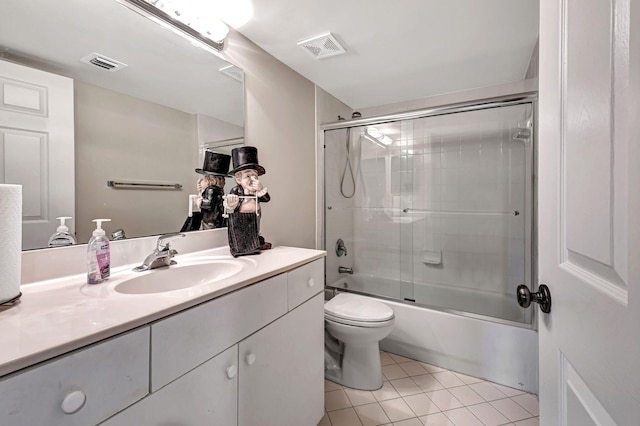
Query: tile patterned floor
point(419, 394)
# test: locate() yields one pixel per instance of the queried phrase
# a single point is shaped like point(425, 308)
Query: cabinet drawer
point(187, 339)
point(304, 283)
point(108, 377)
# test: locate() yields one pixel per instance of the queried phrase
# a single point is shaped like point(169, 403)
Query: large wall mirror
point(145, 122)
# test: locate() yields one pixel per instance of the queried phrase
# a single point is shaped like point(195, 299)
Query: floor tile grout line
point(423, 392)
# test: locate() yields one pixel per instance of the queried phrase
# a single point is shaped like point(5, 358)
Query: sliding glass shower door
point(434, 211)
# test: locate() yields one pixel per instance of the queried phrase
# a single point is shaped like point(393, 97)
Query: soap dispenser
point(62, 237)
point(98, 255)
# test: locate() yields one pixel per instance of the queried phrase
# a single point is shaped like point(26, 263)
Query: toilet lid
point(353, 307)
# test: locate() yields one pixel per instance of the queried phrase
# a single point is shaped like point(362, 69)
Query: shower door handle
point(542, 297)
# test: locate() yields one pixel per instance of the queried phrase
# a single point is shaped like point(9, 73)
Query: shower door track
point(475, 105)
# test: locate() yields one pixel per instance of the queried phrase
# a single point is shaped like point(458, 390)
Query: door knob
point(73, 402)
point(231, 370)
point(542, 297)
point(250, 358)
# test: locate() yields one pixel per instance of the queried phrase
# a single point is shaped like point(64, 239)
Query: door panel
point(21, 148)
point(589, 206)
point(37, 128)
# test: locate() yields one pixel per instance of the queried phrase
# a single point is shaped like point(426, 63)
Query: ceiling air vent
point(103, 62)
point(233, 72)
point(322, 46)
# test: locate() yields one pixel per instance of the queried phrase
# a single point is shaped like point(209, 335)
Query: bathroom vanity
point(244, 350)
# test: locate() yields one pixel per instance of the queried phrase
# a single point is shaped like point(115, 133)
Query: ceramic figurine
point(211, 189)
point(243, 203)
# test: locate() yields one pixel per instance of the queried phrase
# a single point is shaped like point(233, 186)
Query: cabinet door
point(207, 395)
point(282, 370)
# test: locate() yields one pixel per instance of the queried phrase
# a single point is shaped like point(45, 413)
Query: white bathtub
point(499, 351)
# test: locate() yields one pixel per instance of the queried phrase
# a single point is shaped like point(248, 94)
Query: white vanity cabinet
point(80, 388)
point(251, 357)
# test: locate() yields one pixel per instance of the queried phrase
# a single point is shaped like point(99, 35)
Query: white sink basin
point(178, 277)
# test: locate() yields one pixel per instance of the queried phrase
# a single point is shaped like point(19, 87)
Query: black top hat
point(215, 164)
point(246, 157)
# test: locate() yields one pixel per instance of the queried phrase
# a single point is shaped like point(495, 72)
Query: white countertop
point(57, 316)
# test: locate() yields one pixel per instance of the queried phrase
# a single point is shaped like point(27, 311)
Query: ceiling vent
point(103, 62)
point(233, 72)
point(322, 46)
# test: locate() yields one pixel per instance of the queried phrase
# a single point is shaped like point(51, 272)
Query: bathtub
point(502, 352)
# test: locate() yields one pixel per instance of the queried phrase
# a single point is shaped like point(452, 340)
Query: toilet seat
point(363, 324)
point(356, 310)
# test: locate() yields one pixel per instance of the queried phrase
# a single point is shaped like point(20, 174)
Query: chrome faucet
point(162, 255)
point(344, 270)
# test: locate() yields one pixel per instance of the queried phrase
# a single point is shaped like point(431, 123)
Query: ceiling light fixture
point(188, 17)
point(376, 134)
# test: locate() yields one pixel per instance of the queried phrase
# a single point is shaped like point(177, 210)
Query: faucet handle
point(165, 239)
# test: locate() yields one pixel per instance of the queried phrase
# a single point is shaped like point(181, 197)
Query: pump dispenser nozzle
point(99, 230)
point(62, 227)
point(62, 237)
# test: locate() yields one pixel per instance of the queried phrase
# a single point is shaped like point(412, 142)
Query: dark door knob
point(542, 297)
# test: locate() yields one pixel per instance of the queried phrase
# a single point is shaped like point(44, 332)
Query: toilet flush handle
point(250, 358)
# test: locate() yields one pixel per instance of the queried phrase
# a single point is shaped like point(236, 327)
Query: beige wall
point(328, 109)
point(121, 137)
point(280, 122)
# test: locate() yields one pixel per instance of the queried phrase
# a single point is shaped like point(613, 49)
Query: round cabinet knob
point(232, 370)
point(250, 358)
point(73, 402)
point(310, 283)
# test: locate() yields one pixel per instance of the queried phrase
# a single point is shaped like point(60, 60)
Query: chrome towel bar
point(143, 185)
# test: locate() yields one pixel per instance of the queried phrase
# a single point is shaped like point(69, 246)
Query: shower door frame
point(528, 97)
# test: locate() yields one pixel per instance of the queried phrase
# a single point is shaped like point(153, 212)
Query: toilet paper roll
point(10, 241)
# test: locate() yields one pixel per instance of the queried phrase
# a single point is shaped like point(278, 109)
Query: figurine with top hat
point(243, 203)
point(211, 189)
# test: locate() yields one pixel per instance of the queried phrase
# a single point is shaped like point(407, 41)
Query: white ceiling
point(396, 50)
point(400, 50)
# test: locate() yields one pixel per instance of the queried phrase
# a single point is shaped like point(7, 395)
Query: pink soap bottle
point(98, 255)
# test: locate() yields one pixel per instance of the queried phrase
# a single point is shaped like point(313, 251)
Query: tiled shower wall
point(434, 213)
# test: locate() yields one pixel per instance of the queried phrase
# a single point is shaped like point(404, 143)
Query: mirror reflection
point(136, 106)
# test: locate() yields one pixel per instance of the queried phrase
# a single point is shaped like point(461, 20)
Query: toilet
point(354, 326)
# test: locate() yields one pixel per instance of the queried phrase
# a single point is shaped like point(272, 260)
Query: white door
point(589, 212)
point(37, 147)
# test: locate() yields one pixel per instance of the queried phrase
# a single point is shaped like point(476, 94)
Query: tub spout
point(343, 270)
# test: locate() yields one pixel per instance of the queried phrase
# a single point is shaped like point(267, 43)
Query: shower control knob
point(542, 297)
